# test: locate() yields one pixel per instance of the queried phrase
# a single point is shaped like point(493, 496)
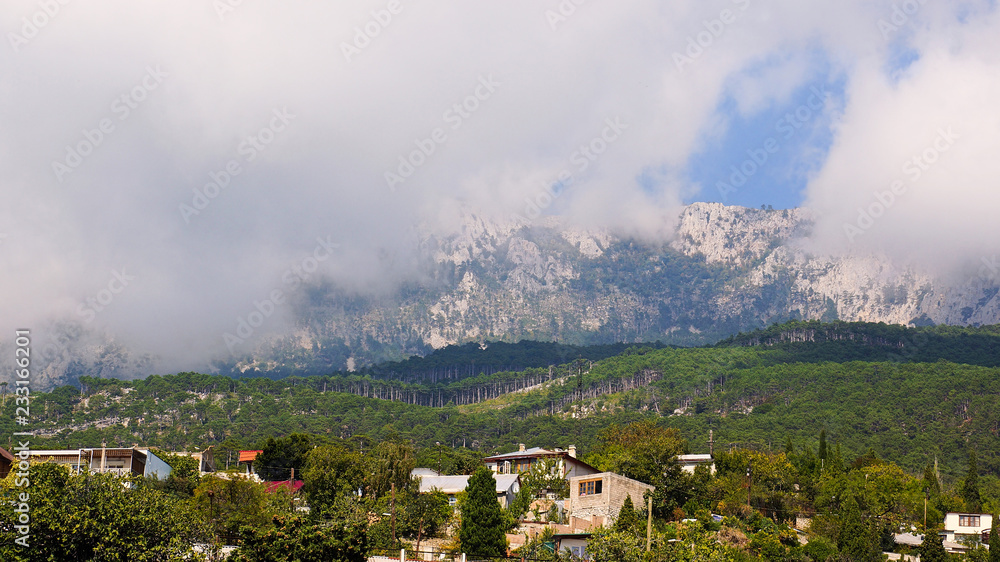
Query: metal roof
point(458, 483)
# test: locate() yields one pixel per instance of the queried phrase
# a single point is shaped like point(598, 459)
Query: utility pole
point(393, 513)
point(649, 523)
point(749, 482)
point(927, 494)
point(438, 443)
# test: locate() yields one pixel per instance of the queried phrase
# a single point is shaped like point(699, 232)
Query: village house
point(508, 485)
point(206, 459)
point(104, 460)
point(246, 459)
point(564, 461)
point(7, 462)
point(690, 462)
point(961, 527)
point(600, 497)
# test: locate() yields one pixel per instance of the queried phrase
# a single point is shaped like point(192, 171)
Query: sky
point(166, 165)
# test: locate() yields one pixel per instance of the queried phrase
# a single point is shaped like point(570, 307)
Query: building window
point(452, 500)
point(591, 487)
point(968, 520)
point(523, 465)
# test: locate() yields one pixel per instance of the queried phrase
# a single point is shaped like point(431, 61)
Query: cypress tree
point(994, 542)
point(822, 444)
point(970, 488)
point(482, 531)
point(627, 520)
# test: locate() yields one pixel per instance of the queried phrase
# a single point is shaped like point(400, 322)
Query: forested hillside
point(889, 392)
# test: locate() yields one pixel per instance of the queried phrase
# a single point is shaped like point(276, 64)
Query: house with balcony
point(564, 462)
point(104, 460)
point(964, 527)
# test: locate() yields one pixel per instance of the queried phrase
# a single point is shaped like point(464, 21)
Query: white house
point(508, 485)
point(689, 462)
point(959, 526)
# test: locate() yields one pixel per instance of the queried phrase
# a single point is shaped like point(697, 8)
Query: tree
point(932, 548)
point(95, 517)
point(231, 504)
point(424, 515)
point(639, 450)
point(293, 539)
point(482, 532)
point(994, 542)
point(856, 538)
point(283, 455)
point(628, 520)
point(970, 487)
point(330, 471)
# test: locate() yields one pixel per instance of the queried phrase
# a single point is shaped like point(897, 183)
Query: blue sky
point(795, 136)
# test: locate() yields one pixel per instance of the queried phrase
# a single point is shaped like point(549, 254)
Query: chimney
point(520, 447)
point(572, 451)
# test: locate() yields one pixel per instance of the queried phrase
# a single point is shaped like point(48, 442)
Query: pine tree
point(482, 531)
point(856, 539)
point(822, 444)
point(627, 520)
point(970, 488)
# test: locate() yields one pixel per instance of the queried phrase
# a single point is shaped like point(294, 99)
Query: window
point(523, 465)
point(591, 487)
point(968, 520)
point(452, 500)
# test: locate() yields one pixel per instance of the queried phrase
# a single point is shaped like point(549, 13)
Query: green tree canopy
point(482, 530)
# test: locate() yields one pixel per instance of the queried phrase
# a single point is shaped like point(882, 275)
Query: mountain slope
point(728, 269)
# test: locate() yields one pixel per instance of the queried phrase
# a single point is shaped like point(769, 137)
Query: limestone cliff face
point(727, 269)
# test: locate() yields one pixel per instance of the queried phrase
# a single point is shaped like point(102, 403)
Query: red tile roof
point(249, 456)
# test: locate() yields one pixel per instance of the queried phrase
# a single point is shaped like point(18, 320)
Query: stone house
point(602, 495)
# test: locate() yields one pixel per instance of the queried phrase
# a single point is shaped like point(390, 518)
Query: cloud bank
point(168, 166)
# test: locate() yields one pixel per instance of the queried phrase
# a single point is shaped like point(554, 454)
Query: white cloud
point(324, 174)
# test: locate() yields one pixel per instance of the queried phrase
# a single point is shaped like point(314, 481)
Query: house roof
point(456, 484)
point(538, 452)
point(249, 456)
point(694, 458)
point(418, 472)
point(290, 485)
point(6, 455)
